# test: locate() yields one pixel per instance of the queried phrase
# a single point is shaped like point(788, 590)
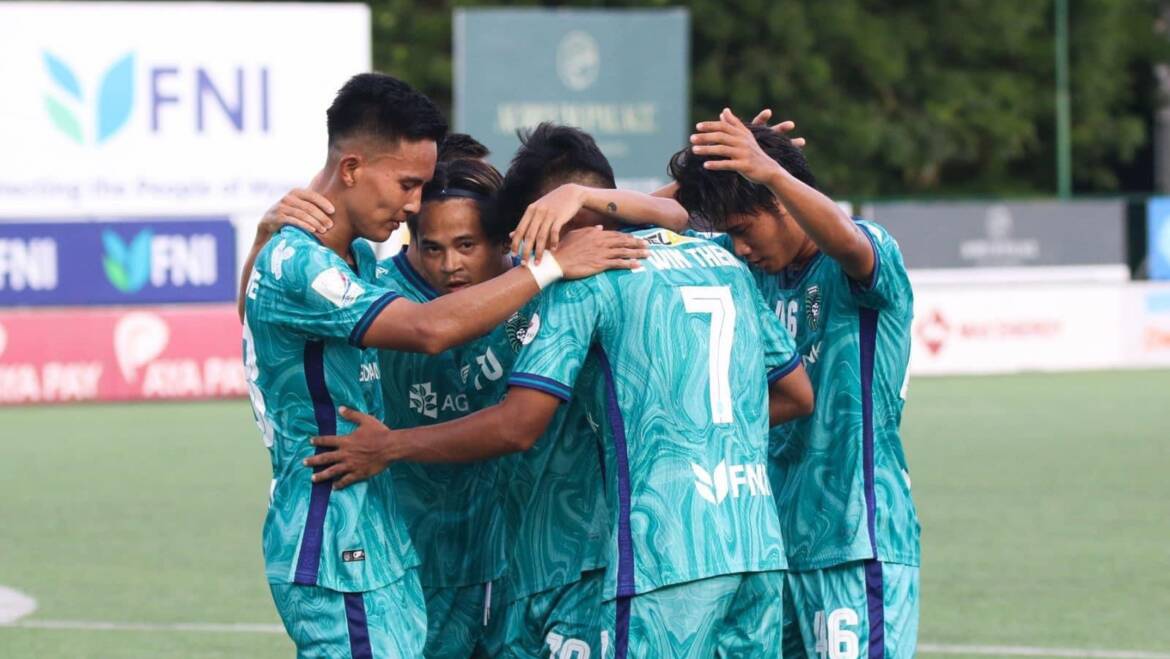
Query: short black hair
point(461, 145)
point(466, 175)
point(711, 196)
point(551, 154)
point(384, 107)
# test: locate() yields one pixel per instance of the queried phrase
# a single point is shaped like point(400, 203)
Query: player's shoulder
point(880, 235)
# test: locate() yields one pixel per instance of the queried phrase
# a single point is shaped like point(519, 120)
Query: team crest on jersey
point(423, 400)
point(521, 330)
point(812, 306)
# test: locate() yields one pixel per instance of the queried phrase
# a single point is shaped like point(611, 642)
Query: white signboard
point(1148, 324)
point(125, 108)
point(1006, 328)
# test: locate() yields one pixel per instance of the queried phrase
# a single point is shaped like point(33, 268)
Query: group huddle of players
point(563, 422)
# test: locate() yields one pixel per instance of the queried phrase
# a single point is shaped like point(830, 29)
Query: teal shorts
point(733, 615)
point(562, 623)
point(860, 609)
point(389, 622)
point(463, 621)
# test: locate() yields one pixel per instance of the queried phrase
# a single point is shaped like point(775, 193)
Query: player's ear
point(349, 169)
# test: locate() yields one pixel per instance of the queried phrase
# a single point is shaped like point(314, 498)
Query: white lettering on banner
point(53, 382)
point(215, 376)
point(183, 260)
point(30, 264)
point(603, 118)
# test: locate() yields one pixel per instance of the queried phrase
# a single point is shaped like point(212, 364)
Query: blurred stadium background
point(1017, 150)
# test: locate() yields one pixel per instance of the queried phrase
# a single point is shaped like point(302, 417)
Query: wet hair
point(456, 146)
point(466, 178)
point(550, 154)
point(385, 108)
point(711, 196)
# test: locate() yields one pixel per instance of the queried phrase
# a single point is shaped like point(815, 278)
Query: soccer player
point(340, 565)
point(839, 477)
point(668, 361)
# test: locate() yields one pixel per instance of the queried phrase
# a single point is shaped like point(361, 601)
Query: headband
point(454, 193)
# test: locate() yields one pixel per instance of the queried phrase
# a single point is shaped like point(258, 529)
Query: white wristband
point(547, 271)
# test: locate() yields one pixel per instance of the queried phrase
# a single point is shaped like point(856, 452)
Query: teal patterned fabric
point(326, 623)
point(565, 621)
point(673, 361)
point(840, 477)
point(734, 615)
point(451, 510)
point(553, 501)
point(306, 314)
point(842, 606)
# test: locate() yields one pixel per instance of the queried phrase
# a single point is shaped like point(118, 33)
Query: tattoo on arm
point(611, 208)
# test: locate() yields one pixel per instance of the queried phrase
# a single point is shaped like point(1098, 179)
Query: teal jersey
point(840, 476)
point(554, 506)
point(668, 360)
point(452, 510)
point(306, 313)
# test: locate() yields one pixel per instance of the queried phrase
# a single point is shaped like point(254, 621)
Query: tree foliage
point(896, 96)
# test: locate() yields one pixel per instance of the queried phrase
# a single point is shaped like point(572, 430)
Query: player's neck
point(341, 235)
point(808, 249)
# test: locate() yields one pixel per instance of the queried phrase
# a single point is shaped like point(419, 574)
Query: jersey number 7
point(716, 301)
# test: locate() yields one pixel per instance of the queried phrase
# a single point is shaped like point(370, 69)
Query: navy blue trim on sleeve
point(541, 383)
point(367, 319)
point(781, 371)
point(867, 286)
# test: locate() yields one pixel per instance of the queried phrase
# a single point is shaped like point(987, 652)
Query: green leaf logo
point(127, 266)
point(114, 102)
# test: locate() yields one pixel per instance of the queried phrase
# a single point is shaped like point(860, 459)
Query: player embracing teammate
point(593, 475)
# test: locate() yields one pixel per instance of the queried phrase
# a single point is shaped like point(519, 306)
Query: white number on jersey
point(566, 648)
point(716, 301)
point(833, 640)
point(788, 313)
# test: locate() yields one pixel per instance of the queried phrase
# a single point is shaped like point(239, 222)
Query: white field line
point(1028, 651)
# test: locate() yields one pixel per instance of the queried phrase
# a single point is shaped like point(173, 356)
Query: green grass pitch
point(1045, 502)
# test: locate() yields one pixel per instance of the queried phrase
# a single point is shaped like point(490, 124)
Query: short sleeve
point(308, 289)
point(780, 356)
point(557, 339)
point(888, 285)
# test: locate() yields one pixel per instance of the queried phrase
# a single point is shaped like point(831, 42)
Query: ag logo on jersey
point(812, 306)
point(423, 400)
point(337, 287)
point(727, 479)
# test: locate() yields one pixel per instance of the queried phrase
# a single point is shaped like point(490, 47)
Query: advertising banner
point(117, 262)
point(70, 355)
point(192, 108)
point(1148, 325)
point(1158, 237)
point(1006, 235)
point(1007, 329)
point(620, 75)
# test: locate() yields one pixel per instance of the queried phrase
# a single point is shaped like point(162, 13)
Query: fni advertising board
point(620, 75)
point(156, 108)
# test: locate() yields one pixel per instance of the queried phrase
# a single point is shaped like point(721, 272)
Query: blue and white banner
point(1158, 237)
point(54, 263)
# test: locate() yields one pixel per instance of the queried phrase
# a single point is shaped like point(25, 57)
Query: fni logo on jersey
point(725, 479)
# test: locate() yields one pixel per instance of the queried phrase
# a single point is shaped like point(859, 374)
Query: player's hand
point(588, 251)
point(783, 128)
point(354, 457)
point(734, 148)
point(540, 228)
point(299, 207)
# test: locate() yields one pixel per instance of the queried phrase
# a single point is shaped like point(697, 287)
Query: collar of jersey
point(414, 276)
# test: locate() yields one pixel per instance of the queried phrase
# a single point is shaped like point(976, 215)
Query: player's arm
point(790, 396)
point(459, 317)
point(511, 426)
point(823, 220)
point(545, 218)
point(299, 207)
